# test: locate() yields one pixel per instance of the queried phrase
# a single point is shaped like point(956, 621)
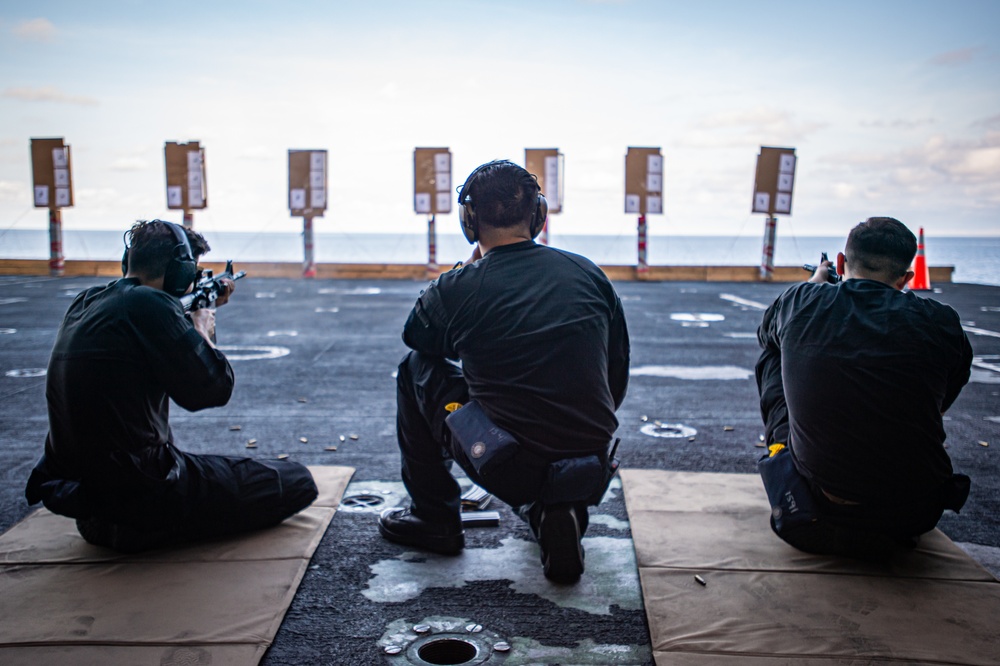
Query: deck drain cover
point(670, 430)
point(362, 501)
point(448, 651)
point(26, 372)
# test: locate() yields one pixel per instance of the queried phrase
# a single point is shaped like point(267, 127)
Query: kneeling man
point(525, 352)
point(854, 378)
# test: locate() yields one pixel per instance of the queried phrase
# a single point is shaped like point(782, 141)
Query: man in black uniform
point(544, 353)
point(122, 351)
point(854, 379)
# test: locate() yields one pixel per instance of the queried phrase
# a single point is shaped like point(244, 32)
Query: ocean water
point(976, 260)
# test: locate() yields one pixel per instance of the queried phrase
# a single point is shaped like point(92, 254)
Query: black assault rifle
point(831, 271)
point(208, 287)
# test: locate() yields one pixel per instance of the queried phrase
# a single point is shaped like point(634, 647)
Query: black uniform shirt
point(543, 344)
point(122, 350)
point(867, 373)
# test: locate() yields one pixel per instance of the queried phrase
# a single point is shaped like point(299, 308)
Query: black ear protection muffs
point(181, 269)
point(467, 206)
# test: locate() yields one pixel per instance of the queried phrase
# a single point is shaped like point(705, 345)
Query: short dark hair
point(503, 194)
point(881, 245)
point(151, 246)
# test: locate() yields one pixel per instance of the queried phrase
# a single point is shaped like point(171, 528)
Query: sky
point(893, 107)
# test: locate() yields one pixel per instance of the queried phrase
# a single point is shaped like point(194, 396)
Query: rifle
point(207, 288)
point(831, 271)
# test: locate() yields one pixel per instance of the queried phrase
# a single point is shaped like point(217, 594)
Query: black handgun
point(208, 287)
point(831, 271)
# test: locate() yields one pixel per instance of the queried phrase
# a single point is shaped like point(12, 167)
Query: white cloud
point(257, 153)
point(957, 57)
point(899, 123)
point(47, 94)
point(13, 191)
point(755, 127)
point(36, 30)
point(389, 90)
point(129, 164)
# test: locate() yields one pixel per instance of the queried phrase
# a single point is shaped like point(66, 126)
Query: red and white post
point(57, 264)
point(643, 266)
point(432, 265)
point(309, 258)
point(767, 258)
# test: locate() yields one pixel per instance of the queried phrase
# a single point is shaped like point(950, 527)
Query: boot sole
point(560, 541)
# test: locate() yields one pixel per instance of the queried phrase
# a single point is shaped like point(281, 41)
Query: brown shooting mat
point(765, 603)
point(220, 603)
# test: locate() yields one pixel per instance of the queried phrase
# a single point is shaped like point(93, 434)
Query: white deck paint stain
point(611, 577)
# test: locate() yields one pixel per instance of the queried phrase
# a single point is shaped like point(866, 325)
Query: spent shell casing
point(700, 580)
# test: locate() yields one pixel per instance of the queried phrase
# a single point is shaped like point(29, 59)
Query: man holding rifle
point(854, 378)
point(121, 353)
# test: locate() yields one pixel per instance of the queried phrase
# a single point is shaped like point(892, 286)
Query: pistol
point(831, 271)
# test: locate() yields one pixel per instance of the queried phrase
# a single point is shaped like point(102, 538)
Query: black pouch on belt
point(583, 479)
point(485, 444)
point(792, 503)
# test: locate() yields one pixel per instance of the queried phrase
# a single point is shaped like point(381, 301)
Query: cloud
point(129, 164)
point(12, 191)
point(760, 126)
point(939, 166)
point(35, 30)
point(257, 153)
point(957, 57)
point(47, 94)
point(992, 121)
point(899, 123)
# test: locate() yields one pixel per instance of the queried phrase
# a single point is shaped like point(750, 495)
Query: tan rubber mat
point(763, 602)
point(65, 601)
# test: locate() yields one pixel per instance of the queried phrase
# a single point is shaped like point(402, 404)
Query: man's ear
point(840, 263)
point(902, 282)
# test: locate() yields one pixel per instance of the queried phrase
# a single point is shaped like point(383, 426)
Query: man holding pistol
point(854, 378)
point(519, 361)
point(121, 353)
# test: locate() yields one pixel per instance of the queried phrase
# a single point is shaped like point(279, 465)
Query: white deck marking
point(981, 331)
point(253, 352)
point(698, 372)
point(743, 301)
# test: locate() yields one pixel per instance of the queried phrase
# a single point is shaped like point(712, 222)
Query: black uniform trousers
point(211, 496)
point(426, 385)
point(850, 530)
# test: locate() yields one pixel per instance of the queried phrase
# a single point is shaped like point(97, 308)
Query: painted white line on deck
point(743, 301)
point(253, 352)
point(981, 331)
point(698, 372)
point(989, 362)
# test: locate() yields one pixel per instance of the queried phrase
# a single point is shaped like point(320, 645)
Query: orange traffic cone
point(921, 275)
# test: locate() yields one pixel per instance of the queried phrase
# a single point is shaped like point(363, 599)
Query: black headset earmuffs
point(467, 211)
point(182, 268)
